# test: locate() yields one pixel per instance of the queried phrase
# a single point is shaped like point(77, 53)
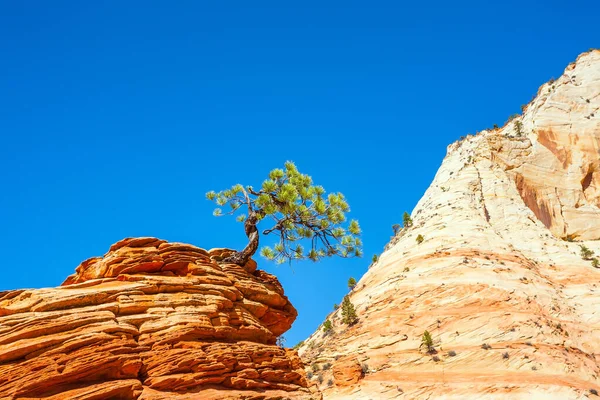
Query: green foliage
point(595, 263)
point(327, 326)
point(427, 342)
point(351, 283)
point(298, 212)
point(348, 312)
point(298, 345)
point(335, 306)
point(420, 239)
point(374, 258)
point(396, 228)
point(518, 128)
point(407, 220)
point(315, 367)
point(585, 252)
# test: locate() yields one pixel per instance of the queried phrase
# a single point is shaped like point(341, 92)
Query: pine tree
point(427, 342)
point(420, 239)
point(348, 313)
point(407, 220)
point(585, 252)
point(327, 326)
point(298, 211)
point(351, 283)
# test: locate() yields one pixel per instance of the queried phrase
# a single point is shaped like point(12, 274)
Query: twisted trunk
point(242, 257)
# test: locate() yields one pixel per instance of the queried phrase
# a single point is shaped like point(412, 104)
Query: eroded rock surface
point(151, 320)
point(499, 280)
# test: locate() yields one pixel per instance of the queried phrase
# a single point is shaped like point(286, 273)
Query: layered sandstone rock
point(499, 281)
point(151, 320)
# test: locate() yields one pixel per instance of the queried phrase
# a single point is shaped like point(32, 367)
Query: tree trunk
point(242, 257)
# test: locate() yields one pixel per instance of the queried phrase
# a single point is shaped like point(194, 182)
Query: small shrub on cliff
point(298, 211)
point(315, 367)
point(407, 220)
point(298, 345)
point(351, 283)
point(595, 263)
point(327, 326)
point(309, 375)
point(518, 128)
point(396, 228)
point(349, 316)
point(330, 382)
point(335, 306)
point(420, 239)
point(374, 258)
point(427, 342)
point(585, 252)
point(326, 366)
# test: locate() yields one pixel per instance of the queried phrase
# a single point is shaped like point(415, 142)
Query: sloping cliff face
point(151, 320)
point(499, 280)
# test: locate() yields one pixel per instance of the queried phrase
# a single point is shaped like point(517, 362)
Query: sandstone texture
point(151, 320)
point(499, 280)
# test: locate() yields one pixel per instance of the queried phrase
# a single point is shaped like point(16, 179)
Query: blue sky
point(117, 117)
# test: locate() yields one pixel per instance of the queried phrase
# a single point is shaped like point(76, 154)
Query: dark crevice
point(587, 179)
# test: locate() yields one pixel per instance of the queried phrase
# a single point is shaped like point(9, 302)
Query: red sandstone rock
point(151, 320)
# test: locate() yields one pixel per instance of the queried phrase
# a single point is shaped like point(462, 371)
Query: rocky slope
point(151, 320)
point(499, 280)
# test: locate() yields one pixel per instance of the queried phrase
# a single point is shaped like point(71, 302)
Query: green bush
point(585, 252)
point(420, 239)
point(518, 128)
point(407, 220)
point(327, 326)
point(298, 345)
point(427, 342)
point(349, 316)
point(351, 283)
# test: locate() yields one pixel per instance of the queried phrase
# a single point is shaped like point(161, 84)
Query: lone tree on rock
point(297, 211)
point(407, 220)
point(351, 283)
point(349, 316)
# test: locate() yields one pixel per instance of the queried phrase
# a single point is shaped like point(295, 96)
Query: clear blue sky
point(116, 117)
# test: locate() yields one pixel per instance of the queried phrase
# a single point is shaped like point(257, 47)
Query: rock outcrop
point(500, 280)
point(151, 320)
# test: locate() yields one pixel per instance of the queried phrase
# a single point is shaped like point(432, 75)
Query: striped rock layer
point(151, 320)
point(499, 279)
